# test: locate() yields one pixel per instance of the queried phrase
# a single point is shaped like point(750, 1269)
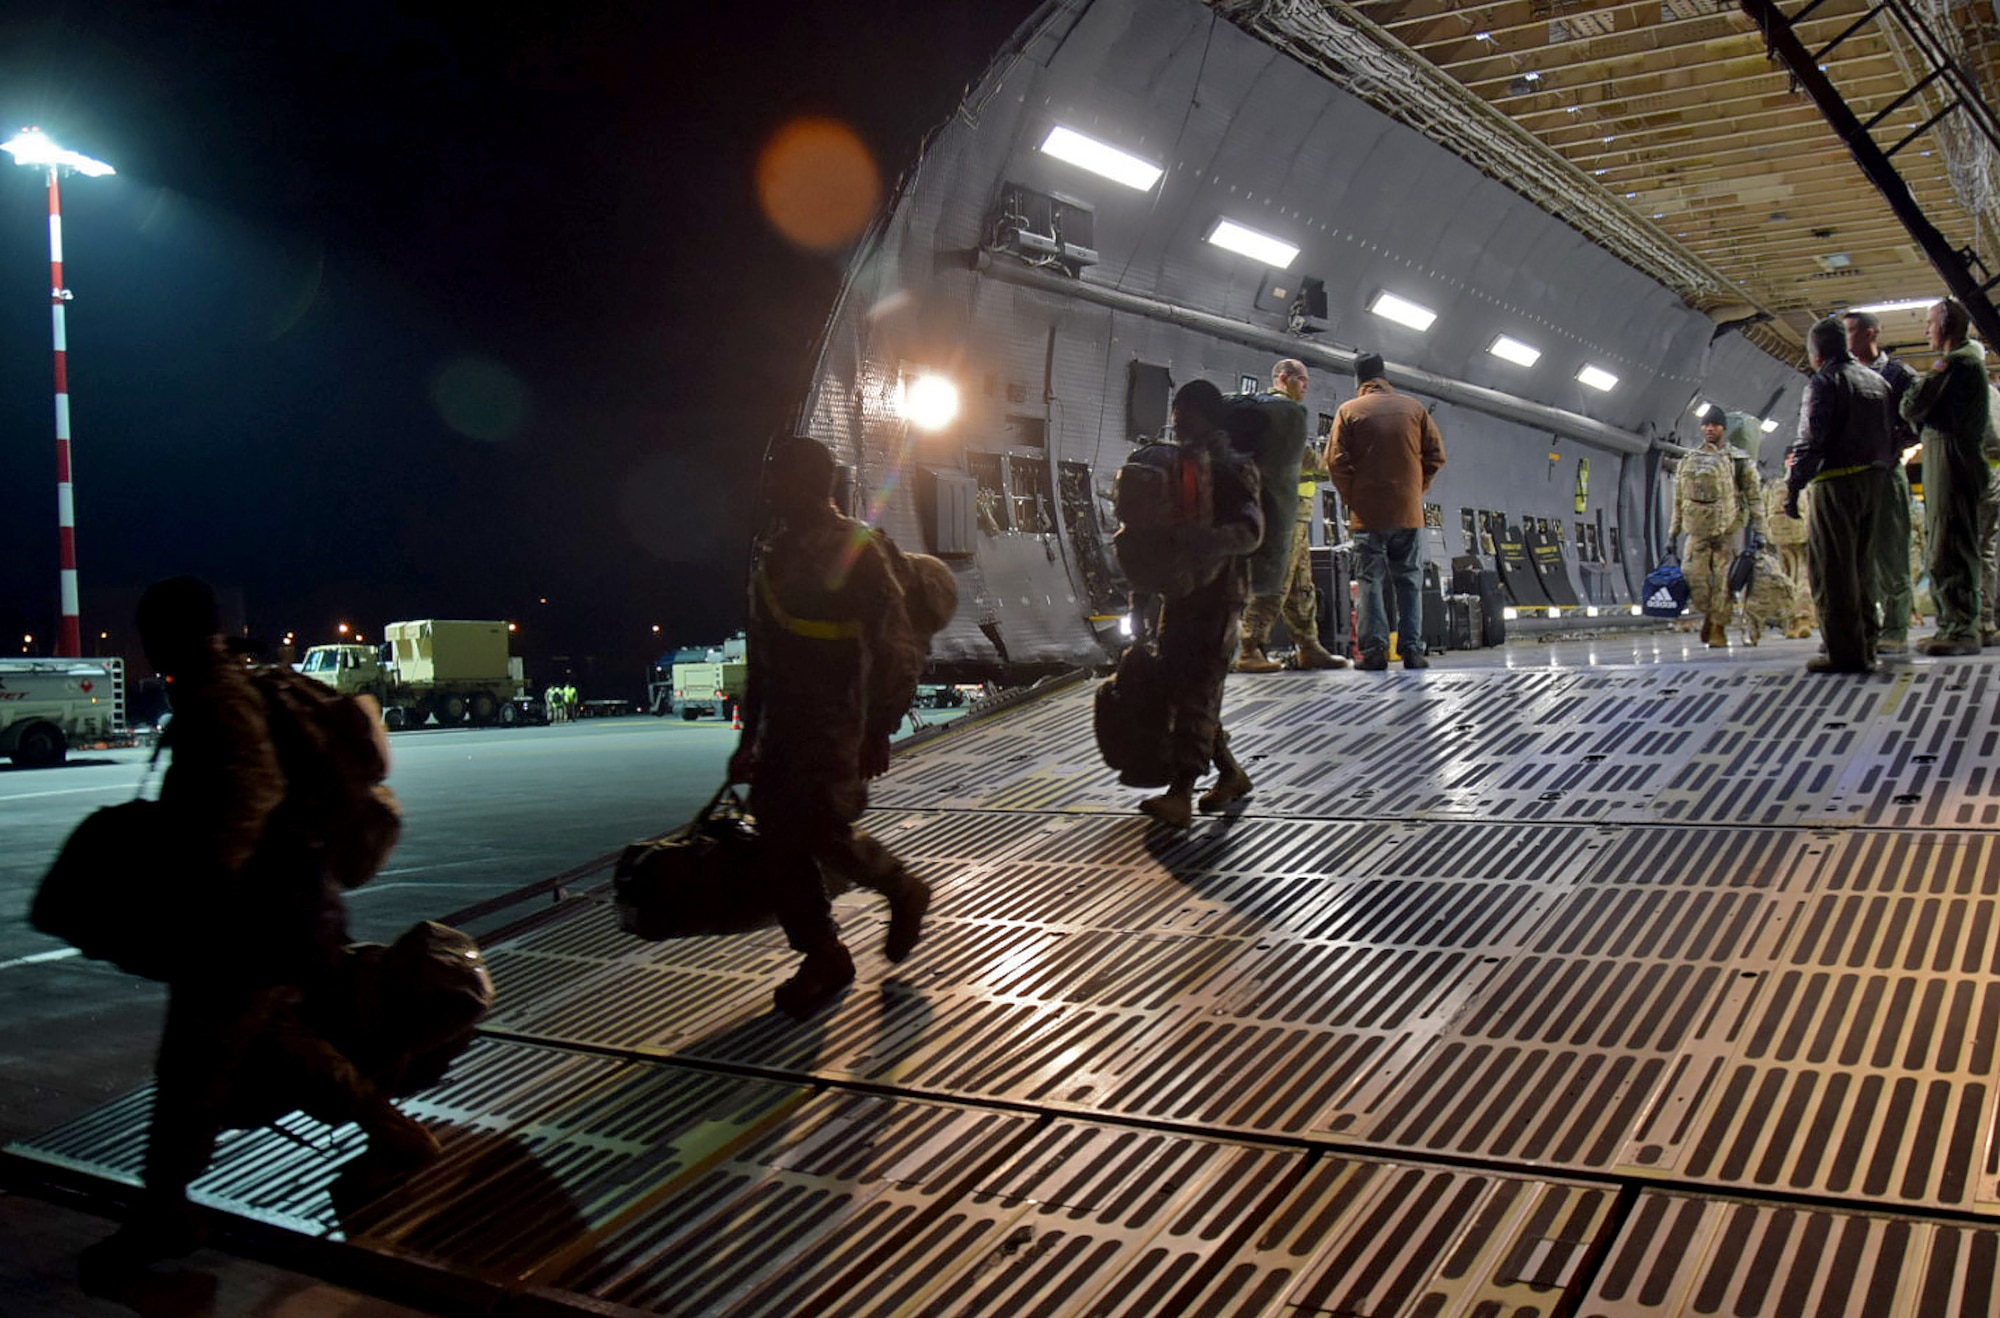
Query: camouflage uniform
point(1715, 497)
point(1788, 535)
point(1298, 604)
point(833, 665)
point(1772, 594)
point(1198, 630)
point(232, 1026)
point(1270, 429)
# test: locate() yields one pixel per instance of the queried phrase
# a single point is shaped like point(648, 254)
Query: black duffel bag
point(705, 878)
point(1133, 720)
point(114, 893)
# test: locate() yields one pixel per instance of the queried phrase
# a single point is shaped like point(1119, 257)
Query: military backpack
point(335, 754)
point(1165, 498)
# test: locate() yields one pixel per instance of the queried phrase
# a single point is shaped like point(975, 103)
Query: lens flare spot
point(480, 399)
point(928, 402)
point(818, 183)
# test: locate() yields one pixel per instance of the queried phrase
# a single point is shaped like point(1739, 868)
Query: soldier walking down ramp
point(238, 845)
point(832, 665)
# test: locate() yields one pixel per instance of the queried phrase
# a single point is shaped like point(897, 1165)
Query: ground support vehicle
point(448, 669)
point(701, 681)
point(50, 705)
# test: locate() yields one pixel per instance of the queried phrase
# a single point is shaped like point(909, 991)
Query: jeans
point(1394, 558)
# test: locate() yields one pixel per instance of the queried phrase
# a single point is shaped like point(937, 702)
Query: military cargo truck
point(702, 681)
point(450, 670)
point(50, 705)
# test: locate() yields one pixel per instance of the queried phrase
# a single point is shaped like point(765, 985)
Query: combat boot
point(909, 901)
point(1175, 807)
point(396, 1137)
point(827, 969)
point(1314, 655)
point(1231, 783)
point(1250, 658)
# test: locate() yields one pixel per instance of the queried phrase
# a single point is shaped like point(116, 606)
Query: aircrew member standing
point(1951, 404)
point(1270, 428)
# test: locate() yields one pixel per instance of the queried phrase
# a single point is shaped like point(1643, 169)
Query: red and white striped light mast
point(32, 147)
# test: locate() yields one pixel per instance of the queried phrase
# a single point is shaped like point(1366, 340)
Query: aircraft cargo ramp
point(1642, 990)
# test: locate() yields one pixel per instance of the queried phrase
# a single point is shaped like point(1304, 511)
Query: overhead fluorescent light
point(1514, 350)
point(1245, 241)
point(1907, 304)
point(1597, 378)
point(1101, 158)
point(1767, 426)
point(1402, 311)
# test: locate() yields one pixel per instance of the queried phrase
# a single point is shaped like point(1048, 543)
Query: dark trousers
point(809, 844)
point(233, 1055)
point(1849, 515)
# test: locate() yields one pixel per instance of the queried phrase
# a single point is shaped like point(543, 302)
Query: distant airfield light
point(342, 629)
point(1101, 158)
point(1767, 426)
point(928, 402)
point(1907, 304)
point(1597, 378)
point(515, 626)
point(1515, 351)
point(1245, 241)
point(31, 146)
point(1402, 311)
point(818, 183)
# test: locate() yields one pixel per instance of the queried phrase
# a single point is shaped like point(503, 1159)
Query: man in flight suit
point(1847, 453)
point(1951, 404)
point(1898, 553)
point(832, 666)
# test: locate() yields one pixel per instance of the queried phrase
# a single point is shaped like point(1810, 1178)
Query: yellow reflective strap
point(813, 629)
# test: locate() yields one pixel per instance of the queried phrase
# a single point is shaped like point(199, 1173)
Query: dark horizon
point(391, 313)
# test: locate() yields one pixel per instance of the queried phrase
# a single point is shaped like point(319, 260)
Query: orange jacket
point(1383, 454)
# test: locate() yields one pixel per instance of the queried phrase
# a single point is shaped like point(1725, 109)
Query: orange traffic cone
point(736, 718)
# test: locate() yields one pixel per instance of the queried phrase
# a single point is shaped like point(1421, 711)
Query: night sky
point(401, 311)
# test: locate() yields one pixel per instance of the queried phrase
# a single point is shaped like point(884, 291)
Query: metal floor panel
point(1642, 991)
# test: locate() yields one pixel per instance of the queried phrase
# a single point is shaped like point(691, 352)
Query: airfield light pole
point(32, 147)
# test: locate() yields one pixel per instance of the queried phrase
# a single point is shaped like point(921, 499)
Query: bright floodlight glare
point(1515, 351)
point(929, 402)
point(31, 146)
point(1597, 378)
point(1907, 304)
point(1233, 237)
point(1101, 158)
point(1402, 311)
point(1767, 426)
point(1700, 405)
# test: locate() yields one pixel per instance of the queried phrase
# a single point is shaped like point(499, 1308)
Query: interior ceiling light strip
point(1101, 158)
point(1403, 311)
point(1246, 241)
point(1513, 350)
